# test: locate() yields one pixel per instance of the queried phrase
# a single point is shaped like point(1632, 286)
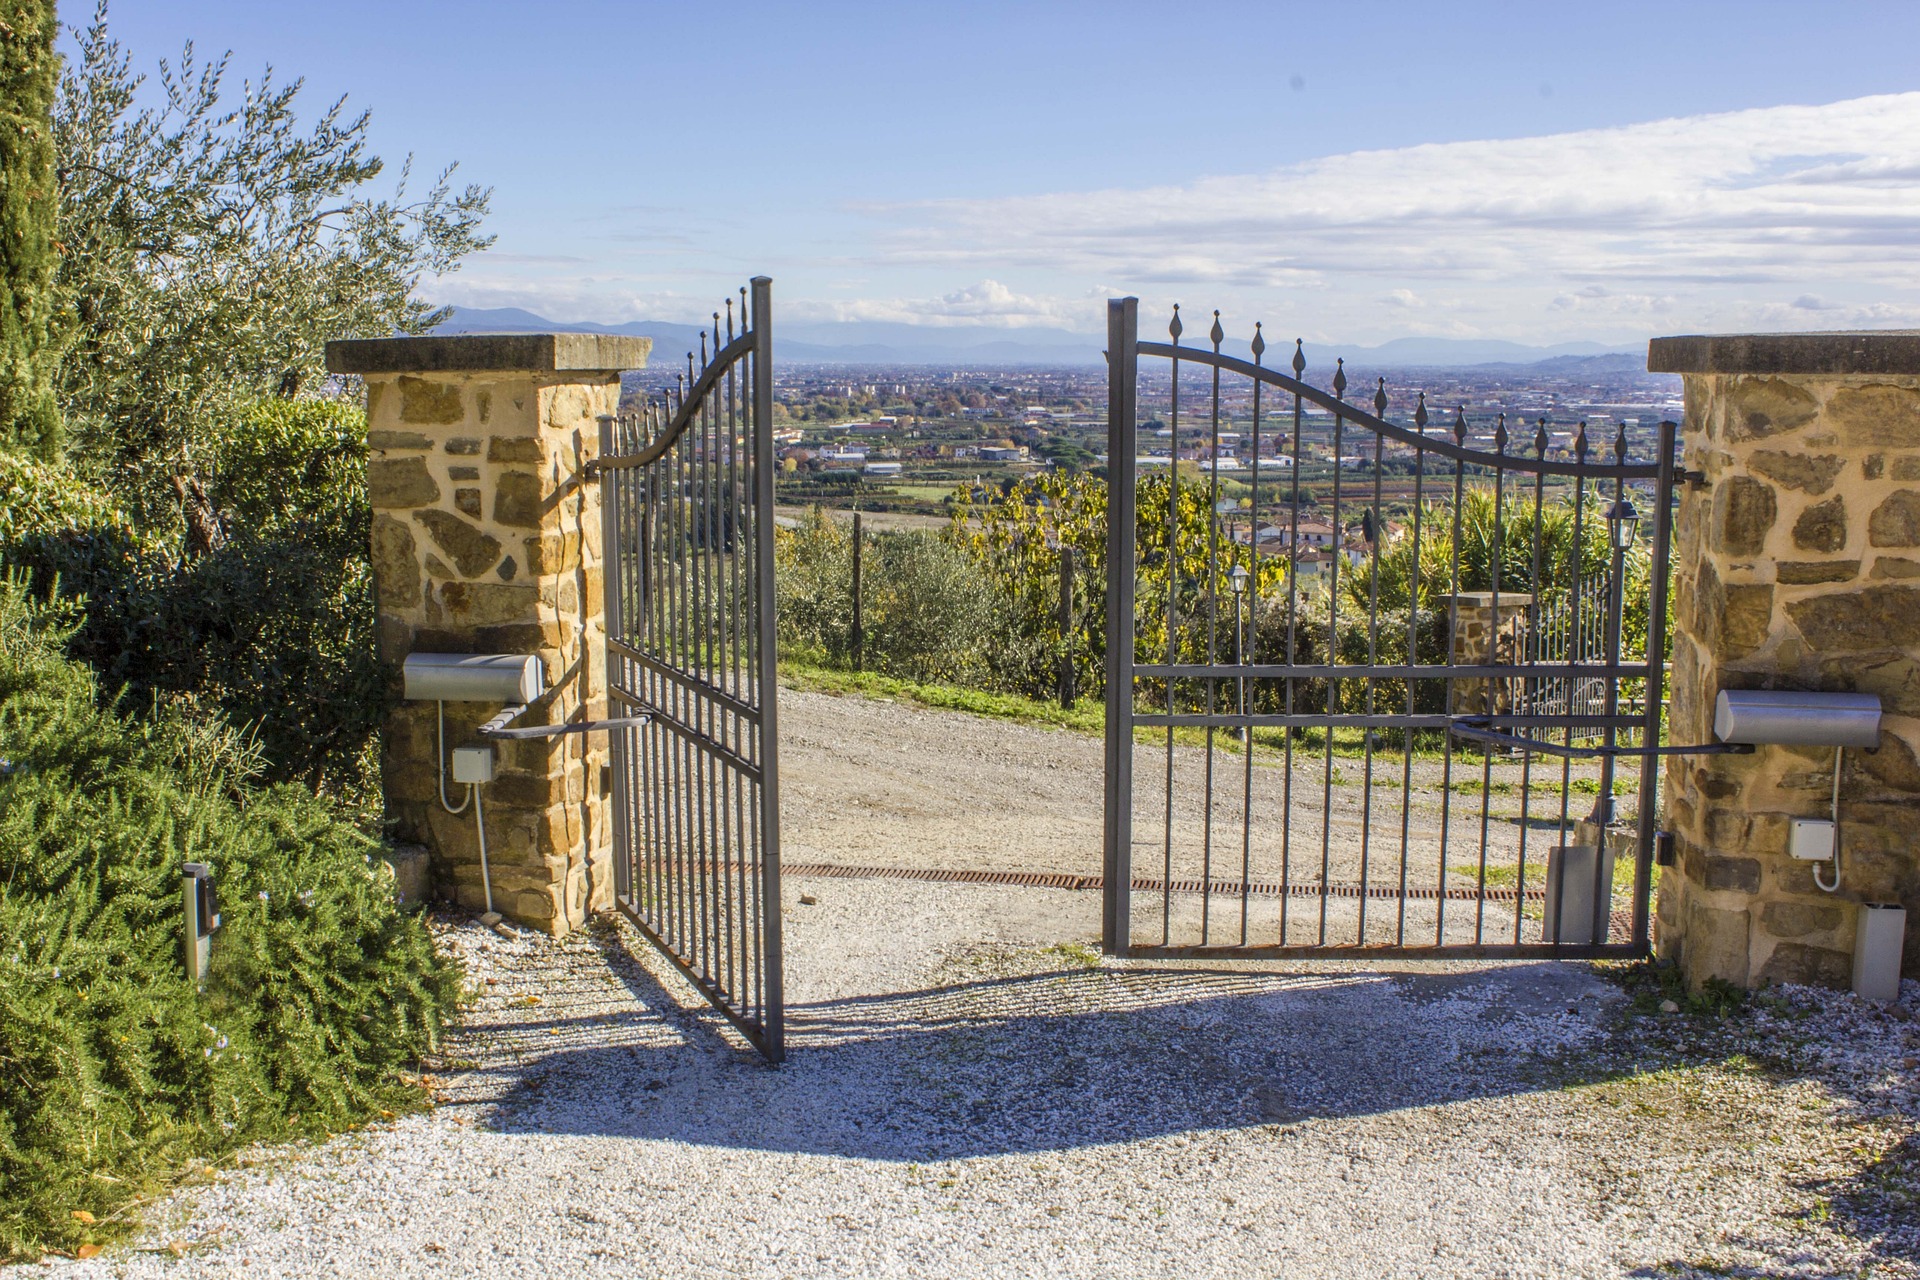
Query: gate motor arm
point(512, 678)
point(1481, 729)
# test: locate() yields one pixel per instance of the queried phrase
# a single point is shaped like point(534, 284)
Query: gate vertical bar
point(1656, 685)
point(1123, 326)
point(773, 984)
point(618, 740)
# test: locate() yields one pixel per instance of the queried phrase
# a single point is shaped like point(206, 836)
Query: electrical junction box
point(1811, 840)
point(473, 764)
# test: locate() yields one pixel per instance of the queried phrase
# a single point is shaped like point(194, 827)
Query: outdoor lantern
point(1237, 578)
point(1622, 520)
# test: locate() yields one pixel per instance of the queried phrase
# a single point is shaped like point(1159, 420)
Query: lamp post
point(859, 636)
point(1623, 523)
point(1237, 578)
point(1066, 689)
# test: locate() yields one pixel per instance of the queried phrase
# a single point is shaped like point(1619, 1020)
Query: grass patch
point(1507, 876)
point(1650, 985)
point(1083, 955)
point(1087, 716)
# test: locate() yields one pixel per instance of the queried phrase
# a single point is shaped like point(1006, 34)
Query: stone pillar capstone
point(487, 539)
point(1797, 566)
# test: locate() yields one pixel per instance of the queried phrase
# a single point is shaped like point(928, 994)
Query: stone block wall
point(1484, 635)
point(487, 539)
point(1797, 554)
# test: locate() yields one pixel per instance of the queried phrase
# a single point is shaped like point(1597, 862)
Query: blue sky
point(1537, 172)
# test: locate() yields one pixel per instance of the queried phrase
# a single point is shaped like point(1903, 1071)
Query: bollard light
point(202, 917)
point(1623, 520)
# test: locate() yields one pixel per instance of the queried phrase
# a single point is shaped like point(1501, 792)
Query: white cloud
point(1728, 217)
point(986, 303)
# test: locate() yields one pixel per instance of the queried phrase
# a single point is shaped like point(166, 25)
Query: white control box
point(473, 764)
point(1811, 840)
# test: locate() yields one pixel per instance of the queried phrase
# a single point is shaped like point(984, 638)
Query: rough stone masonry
point(486, 539)
point(1798, 567)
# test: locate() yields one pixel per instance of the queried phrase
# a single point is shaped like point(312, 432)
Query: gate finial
point(1259, 343)
point(1299, 359)
point(1217, 333)
point(1174, 327)
point(1540, 438)
point(1460, 424)
point(1500, 434)
point(1380, 398)
point(1420, 413)
point(1340, 378)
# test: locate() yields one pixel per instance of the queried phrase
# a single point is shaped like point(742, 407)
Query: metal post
point(859, 630)
point(768, 672)
point(1066, 628)
point(1656, 692)
point(1602, 818)
point(1123, 356)
point(1240, 660)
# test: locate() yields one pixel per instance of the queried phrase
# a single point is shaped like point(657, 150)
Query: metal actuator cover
point(1794, 717)
point(474, 677)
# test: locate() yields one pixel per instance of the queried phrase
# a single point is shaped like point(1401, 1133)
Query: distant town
point(903, 440)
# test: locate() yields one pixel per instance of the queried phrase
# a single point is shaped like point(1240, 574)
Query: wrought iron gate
point(1361, 650)
point(687, 500)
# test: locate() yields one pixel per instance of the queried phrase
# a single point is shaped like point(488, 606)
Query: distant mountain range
point(903, 344)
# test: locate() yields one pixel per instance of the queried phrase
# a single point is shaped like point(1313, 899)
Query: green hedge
point(274, 628)
point(114, 1071)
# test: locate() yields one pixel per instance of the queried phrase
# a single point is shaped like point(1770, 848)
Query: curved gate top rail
point(1393, 697)
point(1377, 422)
point(687, 503)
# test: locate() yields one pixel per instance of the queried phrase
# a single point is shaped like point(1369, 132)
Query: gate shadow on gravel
point(1064, 1059)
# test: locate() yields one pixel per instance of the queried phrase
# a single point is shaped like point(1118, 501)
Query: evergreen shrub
point(115, 1073)
point(273, 627)
point(925, 608)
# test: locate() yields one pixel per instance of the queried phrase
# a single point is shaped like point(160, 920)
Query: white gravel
point(964, 1101)
point(967, 1096)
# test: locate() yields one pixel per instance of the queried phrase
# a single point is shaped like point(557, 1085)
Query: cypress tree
point(29, 202)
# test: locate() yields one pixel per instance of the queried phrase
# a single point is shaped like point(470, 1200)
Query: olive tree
point(213, 242)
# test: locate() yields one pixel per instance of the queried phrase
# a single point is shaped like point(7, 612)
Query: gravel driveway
point(972, 1093)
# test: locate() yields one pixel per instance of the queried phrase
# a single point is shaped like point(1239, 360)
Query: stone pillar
point(487, 540)
point(1797, 566)
point(1484, 635)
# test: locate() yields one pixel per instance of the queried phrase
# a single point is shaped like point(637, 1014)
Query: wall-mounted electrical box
point(1811, 839)
point(1792, 717)
point(472, 765)
point(473, 677)
point(202, 917)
